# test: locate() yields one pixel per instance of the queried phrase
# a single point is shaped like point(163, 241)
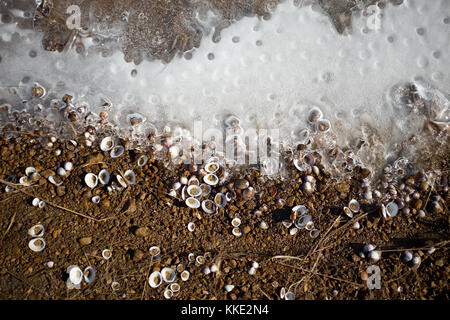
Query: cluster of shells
point(300, 220)
point(37, 243)
point(76, 276)
point(317, 121)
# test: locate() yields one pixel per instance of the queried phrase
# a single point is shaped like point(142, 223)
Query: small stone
point(143, 232)
point(241, 184)
point(131, 205)
point(60, 191)
point(364, 276)
point(246, 229)
point(94, 158)
point(85, 241)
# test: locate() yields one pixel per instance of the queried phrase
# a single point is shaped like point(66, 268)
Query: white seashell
point(155, 279)
point(289, 296)
point(286, 223)
point(142, 160)
point(176, 186)
point(299, 209)
point(309, 226)
point(208, 206)
point(50, 264)
point(407, 256)
point(194, 191)
point(356, 225)
point(89, 274)
point(35, 202)
point(174, 287)
point(115, 285)
point(168, 293)
point(52, 180)
point(36, 230)
point(391, 209)
point(316, 170)
point(192, 203)
point(348, 212)
point(431, 250)
point(29, 171)
point(314, 233)
point(41, 204)
point(183, 180)
point(302, 221)
point(252, 271)
point(193, 181)
point(75, 274)
point(68, 166)
point(354, 206)
point(154, 251)
point(185, 275)
point(236, 222)
point(61, 172)
point(263, 225)
point(211, 167)
point(130, 177)
point(323, 125)
point(283, 293)
point(229, 195)
point(25, 181)
point(255, 264)
point(107, 144)
point(58, 152)
point(103, 176)
point(293, 231)
point(172, 193)
point(368, 248)
point(421, 214)
point(200, 259)
point(307, 187)
point(416, 260)
point(117, 151)
point(211, 179)
point(106, 254)
point(191, 257)
point(374, 256)
point(220, 200)
point(168, 274)
point(229, 287)
point(191, 226)
point(91, 180)
point(121, 181)
point(206, 270)
point(214, 268)
point(237, 232)
point(9, 189)
point(299, 165)
point(315, 114)
point(95, 199)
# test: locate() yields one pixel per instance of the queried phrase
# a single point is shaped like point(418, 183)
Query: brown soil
point(143, 215)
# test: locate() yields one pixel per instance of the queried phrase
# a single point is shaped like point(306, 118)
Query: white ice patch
point(268, 73)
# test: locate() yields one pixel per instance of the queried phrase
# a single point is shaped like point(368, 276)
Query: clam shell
point(194, 191)
point(172, 193)
point(91, 180)
point(302, 221)
point(168, 274)
point(200, 259)
point(191, 226)
point(232, 121)
point(348, 212)
point(121, 181)
point(29, 171)
point(154, 251)
point(75, 274)
point(241, 184)
point(391, 209)
point(192, 202)
point(286, 223)
point(183, 180)
point(206, 189)
point(103, 176)
point(407, 256)
point(208, 206)
point(168, 293)
point(95, 199)
point(35, 202)
point(206, 270)
point(52, 180)
point(174, 287)
point(212, 167)
point(236, 232)
point(142, 160)
point(299, 209)
point(374, 256)
point(314, 233)
point(368, 248)
point(155, 279)
point(176, 186)
point(41, 204)
point(36, 230)
point(263, 225)
point(185, 275)
point(220, 200)
point(61, 171)
point(211, 179)
point(289, 296)
point(107, 144)
point(130, 176)
point(309, 226)
point(115, 285)
point(36, 244)
point(89, 274)
point(293, 231)
point(25, 181)
point(252, 271)
point(236, 222)
point(68, 166)
point(117, 151)
point(314, 115)
point(106, 254)
point(191, 257)
point(322, 125)
point(299, 165)
point(193, 181)
point(354, 206)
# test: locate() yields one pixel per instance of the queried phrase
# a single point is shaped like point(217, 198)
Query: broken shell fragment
point(130, 177)
point(211, 179)
point(200, 259)
point(206, 189)
point(121, 181)
point(252, 271)
point(89, 274)
point(208, 206)
point(354, 206)
point(106, 254)
point(192, 202)
point(263, 225)
point(229, 287)
point(29, 171)
point(107, 144)
point(369, 248)
point(194, 191)
point(155, 279)
point(55, 180)
point(25, 181)
point(168, 274)
point(36, 230)
point(117, 151)
point(36, 244)
point(91, 180)
point(286, 223)
point(103, 176)
point(185, 275)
